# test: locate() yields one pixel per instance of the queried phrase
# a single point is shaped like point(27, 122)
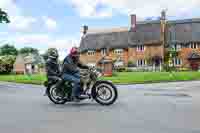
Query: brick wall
point(85, 58)
point(128, 54)
point(150, 51)
point(183, 55)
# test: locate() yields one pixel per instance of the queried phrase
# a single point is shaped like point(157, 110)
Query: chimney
point(163, 15)
point(163, 22)
point(133, 23)
point(163, 25)
point(85, 29)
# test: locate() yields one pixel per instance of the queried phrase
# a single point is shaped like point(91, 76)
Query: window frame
point(193, 45)
point(118, 51)
point(140, 48)
point(141, 62)
point(103, 51)
point(91, 52)
point(177, 61)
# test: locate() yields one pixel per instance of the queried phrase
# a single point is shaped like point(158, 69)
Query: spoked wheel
point(56, 97)
point(106, 93)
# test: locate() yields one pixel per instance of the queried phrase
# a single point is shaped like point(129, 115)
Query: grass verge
point(117, 78)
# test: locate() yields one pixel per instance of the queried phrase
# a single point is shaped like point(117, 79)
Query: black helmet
point(53, 53)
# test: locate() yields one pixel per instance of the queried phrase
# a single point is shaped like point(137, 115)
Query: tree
point(45, 56)
point(169, 56)
point(4, 17)
point(6, 63)
point(28, 50)
point(8, 50)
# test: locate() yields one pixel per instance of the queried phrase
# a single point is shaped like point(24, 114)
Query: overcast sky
point(56, 23)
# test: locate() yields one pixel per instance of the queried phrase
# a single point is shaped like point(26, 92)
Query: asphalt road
point(150, 108)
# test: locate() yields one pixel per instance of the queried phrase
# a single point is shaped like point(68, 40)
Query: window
point(118, 51)
point(91, 52)
point(193, 45)
point(176, 47)
point(141, 62)
point(140, 48)
point(103, 52)
point(177, 61)
point(183, 45)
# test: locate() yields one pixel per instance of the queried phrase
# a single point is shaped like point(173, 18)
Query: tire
point(112, 90)
point(52, 98)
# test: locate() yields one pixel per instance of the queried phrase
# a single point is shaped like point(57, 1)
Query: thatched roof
point(104, 40)
point(183, 31)
point(147, 32)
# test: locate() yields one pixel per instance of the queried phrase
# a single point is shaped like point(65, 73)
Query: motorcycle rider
point(70, 72)
point(52, 67)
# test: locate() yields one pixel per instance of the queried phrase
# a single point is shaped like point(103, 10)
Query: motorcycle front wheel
point(105, 93)
point(55, 97)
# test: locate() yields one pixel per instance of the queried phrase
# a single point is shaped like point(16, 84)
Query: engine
point(89, 77)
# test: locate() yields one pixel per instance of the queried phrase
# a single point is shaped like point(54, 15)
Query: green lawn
point(152, 77)
point(33, 79)
point(118, 78)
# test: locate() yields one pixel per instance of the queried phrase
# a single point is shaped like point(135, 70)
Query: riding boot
point(59, 84)
point(59, 88)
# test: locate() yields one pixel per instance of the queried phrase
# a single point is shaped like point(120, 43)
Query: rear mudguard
point(48, 85)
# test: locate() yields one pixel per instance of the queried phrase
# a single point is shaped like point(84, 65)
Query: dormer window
point(193, 45)
point(140, 48)
point(103, 51)
point(91, 52)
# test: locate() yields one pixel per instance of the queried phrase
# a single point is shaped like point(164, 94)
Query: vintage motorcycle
point(103, 92)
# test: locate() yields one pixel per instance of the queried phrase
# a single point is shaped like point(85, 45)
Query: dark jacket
point(71, 67)
point(52, 68)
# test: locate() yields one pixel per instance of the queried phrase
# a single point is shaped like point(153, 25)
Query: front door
point(157, 62)
point(157, 65)
point(194, 65)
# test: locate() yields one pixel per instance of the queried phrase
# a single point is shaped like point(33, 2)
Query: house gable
point(19, 65)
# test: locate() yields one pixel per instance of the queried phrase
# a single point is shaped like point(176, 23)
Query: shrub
point(114, 74)
point(129, 70)
point(120, 69)
point(183, 69)
point(131, 64)
point(168, 68)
